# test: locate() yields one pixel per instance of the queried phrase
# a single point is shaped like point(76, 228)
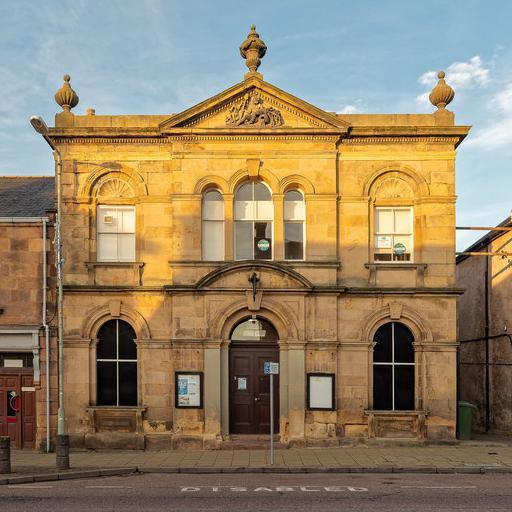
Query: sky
point(163, 56)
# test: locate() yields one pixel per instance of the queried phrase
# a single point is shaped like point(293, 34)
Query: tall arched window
point(116, 364)
point(213, 226)
point(393, 368)
point(294, 217)
point(254, 213)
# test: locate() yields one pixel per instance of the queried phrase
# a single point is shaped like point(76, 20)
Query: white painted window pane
point(213, 210)
point(107, 247)
point(126, 247)
point(294, 210)
point(383, 221)
point(244, 210)
point(264, 210)
point(107, 219)
point(128, 220)
point(403, 221)
point(213, 240)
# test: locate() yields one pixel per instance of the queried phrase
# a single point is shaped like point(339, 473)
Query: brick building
point(27, 298)
point(484, 315)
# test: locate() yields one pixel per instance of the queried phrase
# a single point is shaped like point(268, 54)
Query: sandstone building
point(27, 305)
point(485, 319)
point(249, 228)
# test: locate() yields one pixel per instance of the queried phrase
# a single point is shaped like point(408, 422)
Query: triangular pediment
point(254, 104)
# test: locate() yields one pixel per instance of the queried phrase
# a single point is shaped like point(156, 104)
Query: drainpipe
point(487, 351)
point(47, 340)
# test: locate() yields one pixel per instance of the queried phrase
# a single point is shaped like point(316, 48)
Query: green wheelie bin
point(465, 419)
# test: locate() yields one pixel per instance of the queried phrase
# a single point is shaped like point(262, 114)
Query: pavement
point(465, 457)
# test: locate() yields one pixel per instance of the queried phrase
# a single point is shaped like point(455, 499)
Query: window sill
point(376, 412)
point(100, 275)
point(410, 423)
point(112, 418)
point(419, 268)
point(92, 264)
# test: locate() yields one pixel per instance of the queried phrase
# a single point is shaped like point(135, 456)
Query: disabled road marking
point(278, 488)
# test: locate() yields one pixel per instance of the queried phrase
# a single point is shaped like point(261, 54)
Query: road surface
point(265, 492)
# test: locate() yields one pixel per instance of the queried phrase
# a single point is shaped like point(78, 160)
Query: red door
point(17, 407)
point(249, 411)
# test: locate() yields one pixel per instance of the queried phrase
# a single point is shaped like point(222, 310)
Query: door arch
point(253, 341)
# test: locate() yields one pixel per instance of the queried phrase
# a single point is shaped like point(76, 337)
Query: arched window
point(254, 213)
point(294, 217)
point(254, 329)
point(393, 368)
point(116, 364)
point(213, 226)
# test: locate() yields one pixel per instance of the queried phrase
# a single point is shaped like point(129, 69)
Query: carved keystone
point(115, 308)
point(253, 167)
point(395, 310)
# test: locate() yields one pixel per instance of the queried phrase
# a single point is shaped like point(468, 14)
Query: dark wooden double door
point(17, 406)
point(249, 389)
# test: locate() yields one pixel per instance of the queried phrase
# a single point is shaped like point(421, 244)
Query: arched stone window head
point(212, 244)
point(116, 364)
point(393, 368)
point(254, 329)
point(254, 215)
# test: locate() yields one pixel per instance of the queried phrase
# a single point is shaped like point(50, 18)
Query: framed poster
point(188, 390)
point(321, 391)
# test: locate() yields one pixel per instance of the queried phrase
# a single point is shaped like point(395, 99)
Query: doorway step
point(250, 442)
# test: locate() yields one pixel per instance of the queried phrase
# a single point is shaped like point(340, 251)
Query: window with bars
point(115, 233)
point(116, 364)
point(393, 234)
point(254, 215)
point(212, 226)
point(393, 368)
point(294, 225)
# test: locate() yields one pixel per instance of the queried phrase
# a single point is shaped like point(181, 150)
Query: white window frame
point(393, 364)
point(101, 208)
point(253, 221)
point(204, 224)
point(393, 234)
point(285, 221)
point(117, 361)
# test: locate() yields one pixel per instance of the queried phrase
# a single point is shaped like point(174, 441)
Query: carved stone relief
point(250, 111)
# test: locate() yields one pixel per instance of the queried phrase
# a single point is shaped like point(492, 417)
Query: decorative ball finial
point(66, 97)
point(442, 94)
point(253, 50)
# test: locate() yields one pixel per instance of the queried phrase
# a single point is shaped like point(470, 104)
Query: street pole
point(62, 449)
point(271, 419)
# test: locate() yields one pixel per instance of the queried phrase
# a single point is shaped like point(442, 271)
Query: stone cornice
point(176, 288)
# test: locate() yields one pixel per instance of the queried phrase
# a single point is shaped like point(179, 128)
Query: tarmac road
point(265, 492)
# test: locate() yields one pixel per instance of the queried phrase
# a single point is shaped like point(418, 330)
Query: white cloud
point(350, 109)
point(497, 132)
point(422, 99)
point(472, 73)
point(502, 102)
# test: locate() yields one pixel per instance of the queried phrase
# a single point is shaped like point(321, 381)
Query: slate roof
point(26, 196)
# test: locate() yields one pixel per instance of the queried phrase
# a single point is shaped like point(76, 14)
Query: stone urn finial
point(66, 97)
point(442, 93)
point(252, 50)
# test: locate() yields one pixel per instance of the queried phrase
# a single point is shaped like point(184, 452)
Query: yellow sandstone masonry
point(326, 308)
